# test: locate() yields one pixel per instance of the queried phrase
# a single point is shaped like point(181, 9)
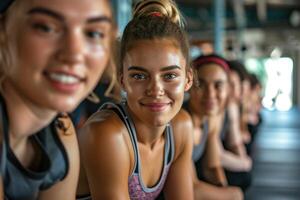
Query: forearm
point(216, 176)
point(235, 163)
point(203, 190)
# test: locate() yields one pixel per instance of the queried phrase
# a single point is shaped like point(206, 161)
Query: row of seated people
point(224, 104)
point(133, 149)
point(218, 106)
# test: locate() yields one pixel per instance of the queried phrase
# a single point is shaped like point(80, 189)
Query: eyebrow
point(46, 11)
point(167, 68)
point(41, 10)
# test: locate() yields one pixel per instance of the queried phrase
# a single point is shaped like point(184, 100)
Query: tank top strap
point(121, 111)
point(170, 146)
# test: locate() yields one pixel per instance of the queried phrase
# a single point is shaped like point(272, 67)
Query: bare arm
point(179, 184)
point(232, 162)
point(203, 190)
point(207, 191)
point(213, 169)
point(106, 159)
point(234, 137)
point(236, 159)
point(66, 189)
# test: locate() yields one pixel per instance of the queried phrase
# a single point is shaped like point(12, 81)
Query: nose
point(155, 88)
point(72, 47)
point(210, 91)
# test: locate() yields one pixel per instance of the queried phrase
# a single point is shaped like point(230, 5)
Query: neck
point(197, 117)
point(25, 117)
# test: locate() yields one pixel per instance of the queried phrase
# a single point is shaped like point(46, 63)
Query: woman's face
point(61, 48)
point(155, 78)
point(210, 90)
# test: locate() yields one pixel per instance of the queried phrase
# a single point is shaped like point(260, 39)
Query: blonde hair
point(167, 8)
point(7, 52)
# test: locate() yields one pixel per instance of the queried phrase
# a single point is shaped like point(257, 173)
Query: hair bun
point(167, 8)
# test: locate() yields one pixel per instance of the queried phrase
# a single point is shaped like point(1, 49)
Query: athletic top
point(136, 187)
point(22, 183)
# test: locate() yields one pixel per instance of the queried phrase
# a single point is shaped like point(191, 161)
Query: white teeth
point(64, 78)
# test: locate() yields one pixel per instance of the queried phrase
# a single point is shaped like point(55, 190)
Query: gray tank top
point(21, 183)
point(137, 189)
point(198, 150)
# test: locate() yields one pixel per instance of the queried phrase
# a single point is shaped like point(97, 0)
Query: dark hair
point(254, 81)
point(4, 4)
point(239, 68)
point(150, 27)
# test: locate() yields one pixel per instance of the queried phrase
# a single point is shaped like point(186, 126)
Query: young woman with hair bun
point(136, 149)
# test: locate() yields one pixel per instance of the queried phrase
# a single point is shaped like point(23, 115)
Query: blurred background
point(265, 35)
point(262, 33)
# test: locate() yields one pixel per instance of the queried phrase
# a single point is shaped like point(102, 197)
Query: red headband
point(155, 14)
point(199, 62)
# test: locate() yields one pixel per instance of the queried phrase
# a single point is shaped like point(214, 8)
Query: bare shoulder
point(104, 135)
point(182, 124)
point(103, 124)
point(182, 117)
point(106, 155)
point(182, 130)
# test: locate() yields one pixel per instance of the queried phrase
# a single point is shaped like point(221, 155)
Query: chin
point(66, 107)
point(159, 122)
point(211, 113)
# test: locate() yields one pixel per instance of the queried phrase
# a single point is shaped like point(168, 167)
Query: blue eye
point(138, 76)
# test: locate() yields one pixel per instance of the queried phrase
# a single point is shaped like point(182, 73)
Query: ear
point(121, 80)
point(189, 79)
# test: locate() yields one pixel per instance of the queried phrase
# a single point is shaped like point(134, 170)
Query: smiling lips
point(156, 107)
point(208, 105)
point(64, 82)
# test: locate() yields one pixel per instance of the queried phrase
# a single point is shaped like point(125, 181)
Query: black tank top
point(21, 183)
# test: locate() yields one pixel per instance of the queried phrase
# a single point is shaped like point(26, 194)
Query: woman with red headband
point(207, 105)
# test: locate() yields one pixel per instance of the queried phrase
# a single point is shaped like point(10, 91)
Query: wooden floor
point(276, 156)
